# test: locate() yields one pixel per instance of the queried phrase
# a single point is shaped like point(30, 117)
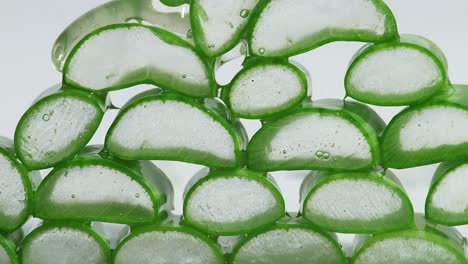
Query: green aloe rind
point(57, 126)
point(213, 205)
point(428, 133)
point(57, 242)
point(16, 189)
point(218, 26)
point(404, 72)
point(358, 203)
point(219, 141)
point(446, 201)
point(283, 29)
point(169, 242)
point(355, 127)
point(114, 12)
point(152, 56)
point(8, 251)
point(424, 244)
point(265, 89)
point(106, 190)
point(289, 241)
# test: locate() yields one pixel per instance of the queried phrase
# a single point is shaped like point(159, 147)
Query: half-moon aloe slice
point(114, 12)
point(57, 126)
point(264, 89)
point(58, 243)
point(232, 202)
point(325, 135)
point(426, 244)
point(429, 133)
point(290, 241)
point(447, 200)
point(284, 28)
point(358, 203)
point(219, 25)
point(164, 126)
point(7, 251)
point(124, 55)
point(16, 189)
point(92, 188)
point(397, 73)
point(167, 243)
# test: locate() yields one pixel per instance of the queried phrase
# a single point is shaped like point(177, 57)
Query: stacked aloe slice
point(110, 204)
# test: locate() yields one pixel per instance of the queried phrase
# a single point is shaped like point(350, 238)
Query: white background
point(29, 29)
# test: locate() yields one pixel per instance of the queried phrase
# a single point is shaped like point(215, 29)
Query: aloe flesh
point(155, 56)
point(169, 242)
point(54, 243)
point(425, 243)
point(405, 72)
point(57, 126)
point(352, 144)
point(428, 133)
point(288, 241)
point(218, 143)
point(446, 200)
point(110, 191)
point(212, 204)
point(356, 202)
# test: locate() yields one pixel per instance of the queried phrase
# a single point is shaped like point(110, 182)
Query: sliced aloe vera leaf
point(284, 29)
point(428, 133)
point(123, 55)
point(57, 126)
point(213, 205)
point(164, 126)
point(8, 251)
point(290, 241)
point(93, 188)
point(397, 73)
point(16, 189)
point(447, 201)
point(114, 12)
point(57, 243)
point(168, 243)
point(265, 89)
point(426, 244)
point(356, 202)
point(219, 25)
point(324, 135)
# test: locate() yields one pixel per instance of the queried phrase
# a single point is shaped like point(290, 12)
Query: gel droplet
point(261, 50)
point(211, 46)
point(46, 117)
point(319, 154)
point(184, 76)
point(285, 152)
point(326, 155)
point(73, 196)
point(189, 34)
point(244, 13)
point(137, 195)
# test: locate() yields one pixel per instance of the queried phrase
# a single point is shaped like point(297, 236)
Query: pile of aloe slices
point(233, 211)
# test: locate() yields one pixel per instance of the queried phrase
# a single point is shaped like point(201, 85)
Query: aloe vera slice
point(16, 189)
point(219, 25)
point(114, 12)
point(58, 243)
point(447, 201)
point(355, 202)
point(284, 28)
point(397, 73)
point(290, 241)
point(426, 244)
point(325, 135)
point(7, 251)
point(164, 126)
point(167, 243)
point(428, 133)
point(231, 202)
point(123, 55)
point(265, 89)
point(57, 126)
point(93, 188)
